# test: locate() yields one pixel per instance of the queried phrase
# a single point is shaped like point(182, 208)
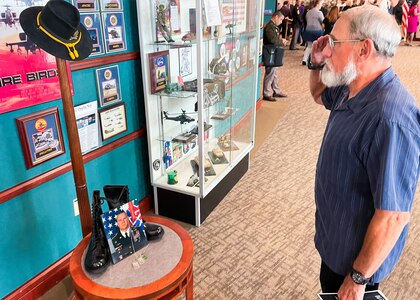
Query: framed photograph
point(92, 23)
point(124, 230)
point(185, 61)
point(114, 32)
point(109, 88)
point(40, 135)
point(113, 120)
point(159, 70)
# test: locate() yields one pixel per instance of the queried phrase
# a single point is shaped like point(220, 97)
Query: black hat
point(56, 29)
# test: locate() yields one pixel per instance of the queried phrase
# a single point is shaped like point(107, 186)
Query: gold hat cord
point(73, 53)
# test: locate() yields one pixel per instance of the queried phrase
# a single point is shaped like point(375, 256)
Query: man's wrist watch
point(358, 277)
point(311, 66)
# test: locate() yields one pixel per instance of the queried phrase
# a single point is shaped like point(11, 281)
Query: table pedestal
point(165, 270)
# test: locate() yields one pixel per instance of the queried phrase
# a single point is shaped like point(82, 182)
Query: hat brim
point(27, 20)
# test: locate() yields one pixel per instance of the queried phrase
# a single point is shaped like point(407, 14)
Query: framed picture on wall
point(40, 135)
point(92, 23)
point(109, 88)
point(159, 70)
point(114, 31)
point(113, 120)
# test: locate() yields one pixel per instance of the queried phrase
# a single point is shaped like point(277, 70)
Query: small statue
point(161, 25)
point(230, 26)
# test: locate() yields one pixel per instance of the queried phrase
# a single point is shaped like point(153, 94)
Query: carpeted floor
point(258, 243)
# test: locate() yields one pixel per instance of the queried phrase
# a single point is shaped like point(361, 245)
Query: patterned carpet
point(258, 243)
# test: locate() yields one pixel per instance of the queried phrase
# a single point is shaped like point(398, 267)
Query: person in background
point(271, 36)
point(349, 4)
point(413, 21)
point(324, 8)
point(369, 162)
point(285, 10)
point(398, 12)
point(313, 29)
point(330, 19)
point(302, 9)
point(296, 24)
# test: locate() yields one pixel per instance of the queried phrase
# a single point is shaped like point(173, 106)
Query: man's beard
point(331, 78)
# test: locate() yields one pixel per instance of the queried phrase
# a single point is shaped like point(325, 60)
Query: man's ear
point(367, 48)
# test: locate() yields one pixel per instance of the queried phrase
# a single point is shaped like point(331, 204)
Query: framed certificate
point(40, 136)
point(113, 120)
point(159, 70)
point(109, 88)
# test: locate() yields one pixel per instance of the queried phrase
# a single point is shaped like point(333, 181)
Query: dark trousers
point(331, 281)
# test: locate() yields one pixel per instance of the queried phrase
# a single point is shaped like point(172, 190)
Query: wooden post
point(75, 150)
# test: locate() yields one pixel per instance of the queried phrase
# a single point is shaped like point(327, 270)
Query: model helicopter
point(25, 43)
point(182, 118)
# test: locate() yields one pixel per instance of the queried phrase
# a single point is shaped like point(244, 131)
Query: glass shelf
point(179, 94)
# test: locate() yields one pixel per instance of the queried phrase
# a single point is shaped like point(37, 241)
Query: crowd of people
point(369, 162)
point(304, 22)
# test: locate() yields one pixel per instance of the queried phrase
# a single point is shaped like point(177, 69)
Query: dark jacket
point(296, 16)
point(271, 35)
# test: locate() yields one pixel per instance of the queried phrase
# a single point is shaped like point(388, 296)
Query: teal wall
point(39, 226)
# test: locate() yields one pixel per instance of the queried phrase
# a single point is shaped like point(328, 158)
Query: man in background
point(271, 36)
point(296, 24)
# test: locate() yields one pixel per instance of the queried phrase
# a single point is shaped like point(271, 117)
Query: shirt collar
point(367, 94)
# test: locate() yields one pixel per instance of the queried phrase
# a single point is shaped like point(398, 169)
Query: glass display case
point(200, 71)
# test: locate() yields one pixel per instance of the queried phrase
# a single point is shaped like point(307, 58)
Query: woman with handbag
point(271, 36)
point(313, 30)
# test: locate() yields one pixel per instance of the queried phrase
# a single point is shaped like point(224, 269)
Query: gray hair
point(371, 22)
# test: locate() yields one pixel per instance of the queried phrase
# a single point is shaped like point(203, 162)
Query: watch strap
point(313, 67)
point(358, 277)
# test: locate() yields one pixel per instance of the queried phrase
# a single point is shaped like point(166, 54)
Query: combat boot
point(97, 256)
point(116, 195)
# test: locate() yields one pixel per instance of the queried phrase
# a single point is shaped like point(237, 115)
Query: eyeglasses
point(332, 42)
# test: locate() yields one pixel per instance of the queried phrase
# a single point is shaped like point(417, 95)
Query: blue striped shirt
point(369, 159)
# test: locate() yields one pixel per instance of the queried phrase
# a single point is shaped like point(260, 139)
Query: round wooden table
point(165, 274)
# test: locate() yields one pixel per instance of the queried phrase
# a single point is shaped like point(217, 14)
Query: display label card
point(111, 5)
point(86, 5)
point(372, 295)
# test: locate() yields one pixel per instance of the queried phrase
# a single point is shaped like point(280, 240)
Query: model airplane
point(182, 118)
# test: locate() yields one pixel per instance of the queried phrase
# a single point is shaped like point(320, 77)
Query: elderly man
point(368, 166)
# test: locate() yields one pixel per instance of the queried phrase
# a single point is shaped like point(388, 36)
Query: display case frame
point(211, 121)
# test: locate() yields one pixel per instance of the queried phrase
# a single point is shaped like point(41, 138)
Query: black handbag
point(273, 55)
